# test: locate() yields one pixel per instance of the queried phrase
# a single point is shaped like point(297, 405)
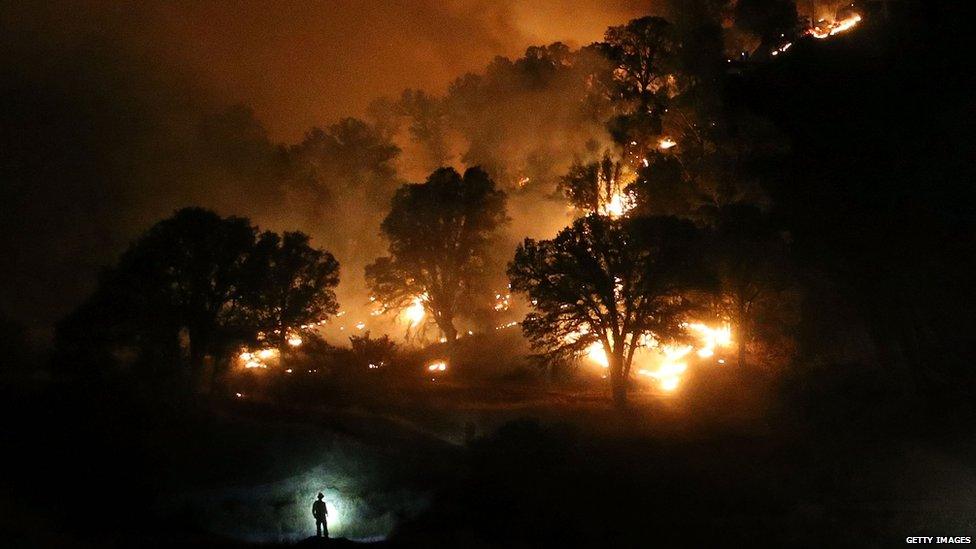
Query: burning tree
point(619, 283)
point(440, 236)
point(596, 187)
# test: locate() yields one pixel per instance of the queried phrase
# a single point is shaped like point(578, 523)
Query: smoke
point(116, 115)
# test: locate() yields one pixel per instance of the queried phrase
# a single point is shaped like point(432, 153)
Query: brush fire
point(666, 364)
point(824, 29)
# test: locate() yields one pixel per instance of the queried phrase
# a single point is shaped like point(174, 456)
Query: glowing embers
point(507, 325)
point(436, 369)
point(502, 302)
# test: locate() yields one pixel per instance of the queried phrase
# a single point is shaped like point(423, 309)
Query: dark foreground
point(479, 467)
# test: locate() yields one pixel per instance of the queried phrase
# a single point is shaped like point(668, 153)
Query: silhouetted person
point(321, 515)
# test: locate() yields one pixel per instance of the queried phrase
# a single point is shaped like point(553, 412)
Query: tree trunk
point(618, 380)
point(741, 335)
point(447, 326)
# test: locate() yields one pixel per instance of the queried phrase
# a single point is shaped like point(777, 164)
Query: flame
point(437, 366)
point(257, 359)
point(663, 363)
point(617, 205)
point(825, 30)
point(669, 384)
point(782, 49)
point(415, 313)
point(295, 341)
point(666, 143)
point(670, 368)
point(711, 338)
point(598, 354)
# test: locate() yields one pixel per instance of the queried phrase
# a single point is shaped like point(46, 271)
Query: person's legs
point(318, 527)
point(325, 526)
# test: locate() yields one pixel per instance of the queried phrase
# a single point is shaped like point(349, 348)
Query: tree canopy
point(287, 283)
point(591, 187)
point(208, 277)
point(613, 282)
point(440, 236)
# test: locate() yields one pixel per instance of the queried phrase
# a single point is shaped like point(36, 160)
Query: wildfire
point(670, 368)
point(665, 364)
point(666, 143)
point(616, 205)
point(711, 338)
point(257, 359)
point(824, 30)
point(782, 49)
point(415, 313)
point(598, 354)
point(295, 341)
point(437, 366)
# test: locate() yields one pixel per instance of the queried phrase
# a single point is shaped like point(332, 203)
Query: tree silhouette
point(188, 266)
point(440, 233)
point(615, 282)
point(749, 256)
point(641, 54)
point(640, 50)
point(196, 283)
point(287, 283)
point(589, 187)
point(769, 20)
point(661, 187)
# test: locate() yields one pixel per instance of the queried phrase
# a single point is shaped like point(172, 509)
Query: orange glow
point(415, 313)
point(824, 30)
point(616, 205)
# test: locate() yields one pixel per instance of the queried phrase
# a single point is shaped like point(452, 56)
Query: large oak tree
point(615, 282)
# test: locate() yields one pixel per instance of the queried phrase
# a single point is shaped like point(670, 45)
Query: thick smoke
point(113, 119)
point(115, 116)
